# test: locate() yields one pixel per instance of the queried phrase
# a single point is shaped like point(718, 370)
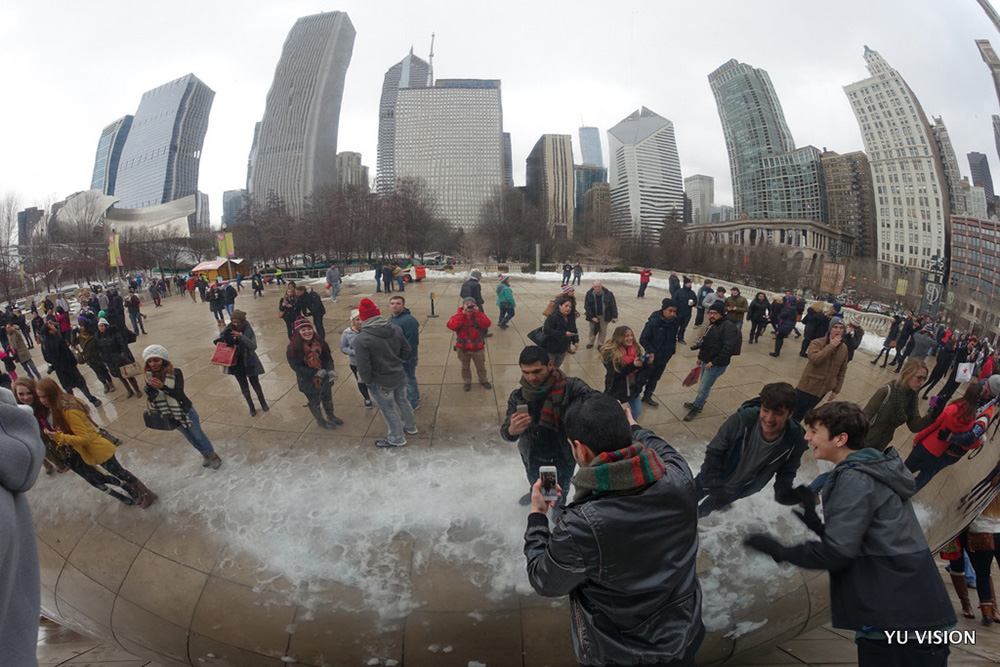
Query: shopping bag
point(224, 355)
point(964, 373)
point(692, 377)
point(130, 370)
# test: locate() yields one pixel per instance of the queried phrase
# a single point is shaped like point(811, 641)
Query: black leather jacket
point(627, 560)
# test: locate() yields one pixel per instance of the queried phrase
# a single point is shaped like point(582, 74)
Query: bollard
point(432, 307)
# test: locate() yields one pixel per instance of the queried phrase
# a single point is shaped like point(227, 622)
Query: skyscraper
point(410, 72)
point(911, 195)
point(450, 136)
point(979, 165)
point(549, 182)
point(850, 198)
point(232, 204)
point(350, 171)
point(996, 132)
point(701, 190)
point(109, 151)
point(160, 159)
point(297, 144)
point(584, 178)
point(508, 161)
point(771, 179)
point(645, 176)
point(957, 193)
point(590, 146)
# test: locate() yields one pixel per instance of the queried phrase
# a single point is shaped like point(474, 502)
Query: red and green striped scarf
point(552, 391)
point(623, 470)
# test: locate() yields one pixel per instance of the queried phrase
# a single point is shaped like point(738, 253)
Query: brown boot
point(996, 610)
point(987, 611)
point(962, 590)
point(146, 497)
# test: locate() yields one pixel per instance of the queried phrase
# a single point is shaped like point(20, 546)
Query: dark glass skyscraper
point(297, 145)
point(160, 159)
point(109, 151)
point(410, 72)
point(979, 165)
point(590, 146)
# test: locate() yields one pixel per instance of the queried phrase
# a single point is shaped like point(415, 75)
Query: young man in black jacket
point(625, 548)
point(539, 431)
point(659, 338)
point(600, 308)
point(721, 342)
point(884, 583)
point(758, 442)
point(310, 303)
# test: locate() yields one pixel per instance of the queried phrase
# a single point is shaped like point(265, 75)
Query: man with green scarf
point(538, 432)
point(625, 548)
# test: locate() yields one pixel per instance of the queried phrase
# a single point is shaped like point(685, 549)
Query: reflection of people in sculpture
point(758, 442)
point(896, 404)
point(947, 440)
point(625, 548)
point(984, 546)
point(882, 575)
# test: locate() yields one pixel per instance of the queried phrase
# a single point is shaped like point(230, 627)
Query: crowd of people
point(624, 477)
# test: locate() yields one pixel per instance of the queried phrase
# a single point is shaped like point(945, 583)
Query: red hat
point(368, 309)
point(302, 322)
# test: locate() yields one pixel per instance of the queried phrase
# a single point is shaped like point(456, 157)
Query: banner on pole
point(114, 252)
point(833, 278)
point(226, 248)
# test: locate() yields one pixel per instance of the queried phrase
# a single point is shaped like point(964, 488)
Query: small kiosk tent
point(221, 269)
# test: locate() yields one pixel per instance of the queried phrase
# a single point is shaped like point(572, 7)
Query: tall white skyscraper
point(645, 176)
point(911, 191)
point(590, 146)
point(549, 182)
point(701, 191)
point(450, 136)
point(410, 72)
point(296, 149)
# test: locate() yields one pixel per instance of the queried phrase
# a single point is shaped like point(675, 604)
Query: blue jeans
point(399, 283)
point(30, 369)
point(230, 307)
point(506, 315)
point(396, 410)
point(137, 322)
point(412, 391)
point(195, 435)
point(635, 405)
point(708, 378)
point(334, 291)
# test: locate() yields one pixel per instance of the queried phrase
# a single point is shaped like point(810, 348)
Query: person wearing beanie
point(113, 351)
point(380, 349)
point(165, 392)
point(470, 326)
point(720, 343)
point(22, 453)
point(309, 356)
point(505, 301)
point(133, 305)
point(567, 292)
point(347, 347)
point(471, 287)
point(825, 370)
point(659, 339)
point(85, 340)
point(247, 368)
point(311, 305)
point(686, 300)
point(289, 310)
point(57, 354)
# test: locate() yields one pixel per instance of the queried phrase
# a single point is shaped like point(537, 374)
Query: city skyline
point(236, 51)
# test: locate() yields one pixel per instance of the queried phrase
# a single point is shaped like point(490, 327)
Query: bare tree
point(9, 256)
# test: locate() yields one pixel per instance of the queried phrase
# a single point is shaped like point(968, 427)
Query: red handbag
point(692, 377)
point(224, 355)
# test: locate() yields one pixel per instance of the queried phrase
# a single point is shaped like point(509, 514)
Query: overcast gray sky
point(68, 68)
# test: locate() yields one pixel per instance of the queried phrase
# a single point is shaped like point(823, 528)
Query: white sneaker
point(413, 432)
point(385, 444)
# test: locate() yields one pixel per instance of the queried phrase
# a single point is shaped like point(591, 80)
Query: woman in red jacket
point(940, 444)
point(470, 325)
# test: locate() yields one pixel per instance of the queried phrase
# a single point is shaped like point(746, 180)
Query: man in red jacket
point(470, 325)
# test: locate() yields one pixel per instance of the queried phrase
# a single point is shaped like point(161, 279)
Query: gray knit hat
point(476, 274)
point(157, 351)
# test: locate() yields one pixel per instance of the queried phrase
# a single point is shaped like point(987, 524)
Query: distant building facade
point(645, 175)
point(161, 156)
point(596, 219)
point(723, 213)
point(584, 178)
point(451, 136)
point(975, 271)
point(957, 203)
point(350, 171)
point(27, 220)
point(911, 189)
point(979, 167)
point(590, 147)
point(508, 161)
point(297, 145)
point(410, 72)
point(109, 152)
point(549, 182)
point(850, 198)
point(701, 190)
point(232, 203)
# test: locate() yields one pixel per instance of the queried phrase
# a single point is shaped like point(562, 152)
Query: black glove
point(764, 543)
point(805, 496)
point(809, 517)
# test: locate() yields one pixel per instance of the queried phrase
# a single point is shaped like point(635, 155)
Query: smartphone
point(149, 376)
point(549, 490)
point(522, 409)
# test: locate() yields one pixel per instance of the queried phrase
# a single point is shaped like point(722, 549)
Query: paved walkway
point(448, 414)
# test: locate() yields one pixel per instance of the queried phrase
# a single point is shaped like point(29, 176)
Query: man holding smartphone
point(534, 417)
point(625, 549)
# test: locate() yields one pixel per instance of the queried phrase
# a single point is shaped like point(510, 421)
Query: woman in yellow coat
point(70, 419)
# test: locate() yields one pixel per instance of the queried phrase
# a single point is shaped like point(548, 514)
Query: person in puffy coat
point(941, 444)
point(505, 301)
point(560, 332)
point(815, 324)
point(56, 352)
point(347, 347)
point(624, 361)
point(247, 369)
point(470, 326)
point(114, 352)
point(758, 314)
point(785, 324)
point(825, 370)
point(310, 358)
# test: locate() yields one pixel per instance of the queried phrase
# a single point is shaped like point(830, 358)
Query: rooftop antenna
point(430, 64)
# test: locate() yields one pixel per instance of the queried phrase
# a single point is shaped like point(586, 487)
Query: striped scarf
point(168, 405)
point(311, 357)
point(623, 470)
point(552, 392)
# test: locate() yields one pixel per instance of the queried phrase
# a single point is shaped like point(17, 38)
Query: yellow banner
point(114, 252)
point(225, 240)
point(901, 285)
